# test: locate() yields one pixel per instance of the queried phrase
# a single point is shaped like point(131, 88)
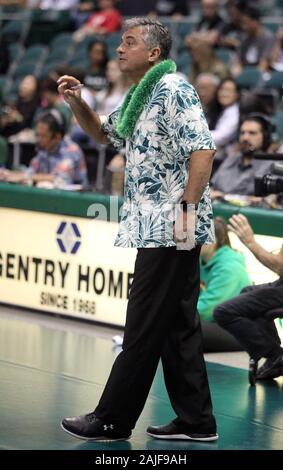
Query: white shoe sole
point(184, 437)
point(101, 439)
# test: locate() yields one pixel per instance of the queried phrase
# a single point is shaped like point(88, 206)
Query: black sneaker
point(181, 431)
point(271, 369)
point(91, 428)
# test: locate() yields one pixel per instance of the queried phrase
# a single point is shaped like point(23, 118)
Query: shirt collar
point(241, 163)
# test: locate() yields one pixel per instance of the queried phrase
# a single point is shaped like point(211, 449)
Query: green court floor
point(51, 371)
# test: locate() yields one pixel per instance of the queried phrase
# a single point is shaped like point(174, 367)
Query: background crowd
point(230, 50)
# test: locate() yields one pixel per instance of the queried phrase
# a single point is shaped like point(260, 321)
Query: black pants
point(162, 322)
point(243, 317)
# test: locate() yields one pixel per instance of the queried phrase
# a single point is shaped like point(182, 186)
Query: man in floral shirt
point(156, 172)
point(57, 157)
point(167, 216)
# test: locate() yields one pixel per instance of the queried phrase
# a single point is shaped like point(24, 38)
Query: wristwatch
point(186, 206)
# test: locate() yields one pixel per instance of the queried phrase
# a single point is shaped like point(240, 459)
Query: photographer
point(244, 316)
point(237, 173)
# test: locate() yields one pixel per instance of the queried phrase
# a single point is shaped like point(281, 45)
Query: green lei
point(137, 96)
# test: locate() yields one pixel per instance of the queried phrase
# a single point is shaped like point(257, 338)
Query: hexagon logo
point(68, 237)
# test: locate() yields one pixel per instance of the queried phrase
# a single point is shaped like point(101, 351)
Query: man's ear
point(154, 55)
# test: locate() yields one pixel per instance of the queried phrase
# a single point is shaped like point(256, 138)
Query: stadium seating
point(250, 77)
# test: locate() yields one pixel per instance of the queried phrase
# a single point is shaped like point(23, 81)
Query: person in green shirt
point(223, 272)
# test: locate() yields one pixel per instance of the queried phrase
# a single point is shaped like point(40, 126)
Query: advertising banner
point(65, 265)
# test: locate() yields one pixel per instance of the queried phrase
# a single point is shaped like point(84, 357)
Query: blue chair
point(36, 53)
point(224, 54)
point(26, 68)
point(275, 81)
point(183, 62)
point(61, 40)
point(249, 78)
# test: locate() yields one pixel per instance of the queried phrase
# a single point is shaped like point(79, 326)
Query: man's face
point(249, 25)
point(105, 4)
point(206, 89)
point(209, 8)
point(45, 139)
point(251, 137)
point(133, 55)
point(97, 54)
point(113, 72)
point(234, 13)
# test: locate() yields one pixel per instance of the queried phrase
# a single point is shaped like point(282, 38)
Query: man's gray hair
point(154, 33)
point(214, 79)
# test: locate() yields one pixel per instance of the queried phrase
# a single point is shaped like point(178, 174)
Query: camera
point(268, 184)
point(271, 183)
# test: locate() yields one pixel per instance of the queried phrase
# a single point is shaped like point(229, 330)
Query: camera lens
point(272, 184)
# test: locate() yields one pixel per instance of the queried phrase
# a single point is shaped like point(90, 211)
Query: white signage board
point(66, 265)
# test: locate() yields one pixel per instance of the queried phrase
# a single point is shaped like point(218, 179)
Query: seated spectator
point(237, 173)
point(78, 72)
point(206, 85)
point(204, 60)
point(81, 14)
point(257, 44)
point(58, 160)
point(209, 25)
point(58, 156)
point(130, 8)
point(224, 123)
point(50, 100)
point(19, 116)
point(277, 53)
point(107, 100)
point(222, 272)
point(106, 20)
point(95, 77)
point(230, 34)
point(244, 316)
point(175, 8)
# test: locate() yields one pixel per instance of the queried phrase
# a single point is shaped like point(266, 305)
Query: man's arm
point(88, 120)
point(199, 174)
point(240, 226)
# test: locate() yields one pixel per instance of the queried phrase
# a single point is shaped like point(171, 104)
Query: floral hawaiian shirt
point(171, 126)
point(65, 161)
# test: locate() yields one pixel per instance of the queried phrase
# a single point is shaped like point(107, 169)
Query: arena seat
point(275, 81)
point(249, 78)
